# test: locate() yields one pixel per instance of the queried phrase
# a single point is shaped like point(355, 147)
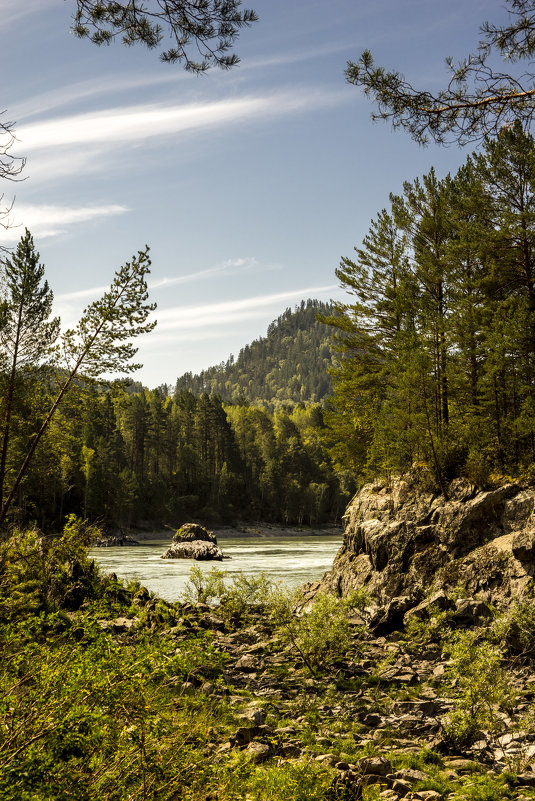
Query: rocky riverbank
point(375, 719)
point(407, 672)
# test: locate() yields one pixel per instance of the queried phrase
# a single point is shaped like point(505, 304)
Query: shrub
point(477, 469)
point(204, 586)
point(482, 689)
point(515, 630)
point(322, 633)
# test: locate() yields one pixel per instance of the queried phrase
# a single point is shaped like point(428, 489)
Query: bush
point(477, 469)
point(322, 633)
point(515, 630)
point(482, 689)
point(235, 595)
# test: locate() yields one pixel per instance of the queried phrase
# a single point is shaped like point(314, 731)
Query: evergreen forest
point(290, 364)
point(123, 456)
point(437, 341)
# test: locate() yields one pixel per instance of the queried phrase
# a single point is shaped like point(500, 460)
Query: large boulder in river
point(403, 542)
point(193, 531)
point(192, 541)
point(197, 549)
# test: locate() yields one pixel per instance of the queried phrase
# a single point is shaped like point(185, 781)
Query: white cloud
point(83, 90)
point(68, 307)
point(232, 311)
point(49, 220)
point(228, 267)
point(139, 123)
point(13, 11)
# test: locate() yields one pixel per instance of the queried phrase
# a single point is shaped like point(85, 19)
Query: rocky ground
point(374, 716)
point(431, 697)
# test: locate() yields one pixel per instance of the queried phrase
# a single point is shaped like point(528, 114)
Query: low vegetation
point(107, 692)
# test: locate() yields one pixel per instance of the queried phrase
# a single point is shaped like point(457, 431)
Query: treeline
point(288, 365)
point(124, 459)
point(437, 346)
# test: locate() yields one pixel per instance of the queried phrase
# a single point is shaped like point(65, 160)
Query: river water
point(290, 560)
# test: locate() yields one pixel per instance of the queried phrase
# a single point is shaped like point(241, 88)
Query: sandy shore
point(253, 530)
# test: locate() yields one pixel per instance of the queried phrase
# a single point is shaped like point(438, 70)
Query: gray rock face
point(403, 543)
point(113, 540)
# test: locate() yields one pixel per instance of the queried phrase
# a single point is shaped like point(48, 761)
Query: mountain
point(289, 364)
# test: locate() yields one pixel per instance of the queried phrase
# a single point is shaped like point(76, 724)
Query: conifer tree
point(101, 343)
point(478, 100)
point(27, 332)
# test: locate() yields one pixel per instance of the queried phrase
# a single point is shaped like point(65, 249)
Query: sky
point(248, 185)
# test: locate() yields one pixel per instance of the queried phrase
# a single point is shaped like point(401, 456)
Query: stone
point(380, 766)
point(285, 730)
point(258, 752)
point(407, 546)
point(329, 759)
point(469, 611)
point(438, 600)
point(401, 788)
point(247, 663)
point(114, 540)
point(525, 779)
point(197, 549)
point(212, 623)
point(427, 707)
point(410, 775)
point(390, 617)
point(289, 751)
point(398, 673)
point(255, 716)
point(523, 546)
point(192, 531)
point(244, 735)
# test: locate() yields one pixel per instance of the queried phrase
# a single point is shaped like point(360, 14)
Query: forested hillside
point(289, 364)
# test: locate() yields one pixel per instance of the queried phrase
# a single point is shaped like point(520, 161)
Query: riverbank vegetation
point(107, 692)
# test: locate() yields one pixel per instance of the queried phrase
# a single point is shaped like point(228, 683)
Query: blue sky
point(248, 185)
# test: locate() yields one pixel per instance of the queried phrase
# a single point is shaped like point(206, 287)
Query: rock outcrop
point(404, 543)
point(192, 541)
point(114, 540)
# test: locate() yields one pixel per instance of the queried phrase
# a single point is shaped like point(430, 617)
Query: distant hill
point(288, 365)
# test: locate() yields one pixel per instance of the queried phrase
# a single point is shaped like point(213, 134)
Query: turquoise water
point(290, 560)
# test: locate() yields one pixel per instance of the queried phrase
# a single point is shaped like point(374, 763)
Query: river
point(290, 560)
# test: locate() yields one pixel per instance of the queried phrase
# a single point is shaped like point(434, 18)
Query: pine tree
point(27, 332)
point(101, 343)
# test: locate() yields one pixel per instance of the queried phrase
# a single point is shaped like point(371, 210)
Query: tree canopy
point(200, 32)
point(289, 365)
point(100, 343)
point(437, 342)
point(479, 98)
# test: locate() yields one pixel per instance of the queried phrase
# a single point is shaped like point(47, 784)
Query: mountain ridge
point(289, 365)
